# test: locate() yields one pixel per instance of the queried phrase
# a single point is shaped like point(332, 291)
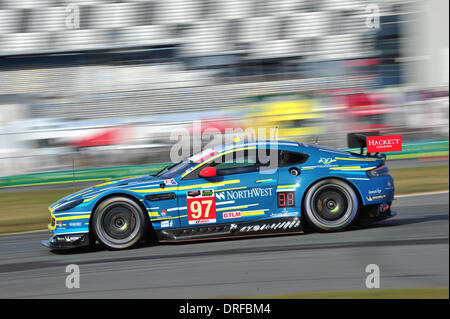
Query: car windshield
point(174, 170)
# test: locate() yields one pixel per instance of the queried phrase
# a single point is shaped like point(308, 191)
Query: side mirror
point(208, 172)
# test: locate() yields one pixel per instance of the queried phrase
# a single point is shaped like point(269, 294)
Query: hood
point(146, 180)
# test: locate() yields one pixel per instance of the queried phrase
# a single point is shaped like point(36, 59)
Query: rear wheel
point(331, 205)
point(118, 223)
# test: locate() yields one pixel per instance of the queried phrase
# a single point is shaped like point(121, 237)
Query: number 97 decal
point(201, 206)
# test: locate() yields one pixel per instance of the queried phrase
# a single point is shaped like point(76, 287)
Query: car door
point(288, 199)
point(238, 193)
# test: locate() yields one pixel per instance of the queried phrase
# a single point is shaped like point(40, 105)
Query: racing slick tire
point(118, 223)
point(331, 205)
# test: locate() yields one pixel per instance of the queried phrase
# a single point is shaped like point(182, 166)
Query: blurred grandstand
point(101, 83)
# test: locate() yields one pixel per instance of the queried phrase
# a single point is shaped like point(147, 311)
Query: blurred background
point(90, 84)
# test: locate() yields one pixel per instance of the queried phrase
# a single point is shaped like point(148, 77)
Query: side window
point(246, 162)
point(288, 158)
point(232, 163)
point(236, 163)
point(194, 174)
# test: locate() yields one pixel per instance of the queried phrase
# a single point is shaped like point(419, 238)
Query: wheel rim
point(119, 224)
point(331, 205)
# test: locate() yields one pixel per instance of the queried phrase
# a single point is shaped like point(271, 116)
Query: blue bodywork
point(245, 197)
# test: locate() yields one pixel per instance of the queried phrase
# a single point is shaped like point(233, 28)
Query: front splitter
point(69, 241)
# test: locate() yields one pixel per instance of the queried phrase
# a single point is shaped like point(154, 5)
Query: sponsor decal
point(326, 160)
point(76, 224)
point(375, 191)
point(375, 197)
point(193, 193)
point(284, 213)
point(387, 143)
point(220, 196)
point(291, 224)
point(229, 215)
point(243, 194)
point(166, 223)
point(206, 193)
point(71, 238)
point(384, 207)
point(170, 181)
point(201, 206)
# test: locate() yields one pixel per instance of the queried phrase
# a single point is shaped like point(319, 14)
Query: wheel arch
point(353, 186)
point(151, 231)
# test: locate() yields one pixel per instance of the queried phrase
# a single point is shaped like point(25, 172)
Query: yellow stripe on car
point(104, 184)
point(158, 219)
point(158, 190)
point(89, 199)
point(73, 217)
point(264, 180)
point(357, 159)
point(153, 214)
point(231, 208)
point(253, 213)
point(351, 168)
point(288, 186)
point(229, 189)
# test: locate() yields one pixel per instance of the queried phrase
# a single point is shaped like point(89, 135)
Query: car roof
point(280, 144)
point(283, 145)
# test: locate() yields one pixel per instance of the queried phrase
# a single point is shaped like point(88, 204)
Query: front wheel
point(118, 223)
point(331, 205)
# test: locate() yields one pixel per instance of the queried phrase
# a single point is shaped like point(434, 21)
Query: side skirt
point(241, 229)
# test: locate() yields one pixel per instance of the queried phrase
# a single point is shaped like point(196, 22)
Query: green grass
point(420, 179)
point(27, 210)
point(406, 293)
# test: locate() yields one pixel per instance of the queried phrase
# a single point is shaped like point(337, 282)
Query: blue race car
point(236, 190)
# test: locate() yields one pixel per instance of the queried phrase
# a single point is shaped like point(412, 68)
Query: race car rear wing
point(358, 140)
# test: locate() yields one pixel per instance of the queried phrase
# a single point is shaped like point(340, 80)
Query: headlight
point(69, 205)
point(379, 171)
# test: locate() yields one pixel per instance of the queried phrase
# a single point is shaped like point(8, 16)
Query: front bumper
point(67, 241)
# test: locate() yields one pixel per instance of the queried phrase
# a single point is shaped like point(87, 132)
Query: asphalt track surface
point(411, 250)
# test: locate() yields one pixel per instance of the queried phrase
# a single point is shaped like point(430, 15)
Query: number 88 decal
point(286, 199)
